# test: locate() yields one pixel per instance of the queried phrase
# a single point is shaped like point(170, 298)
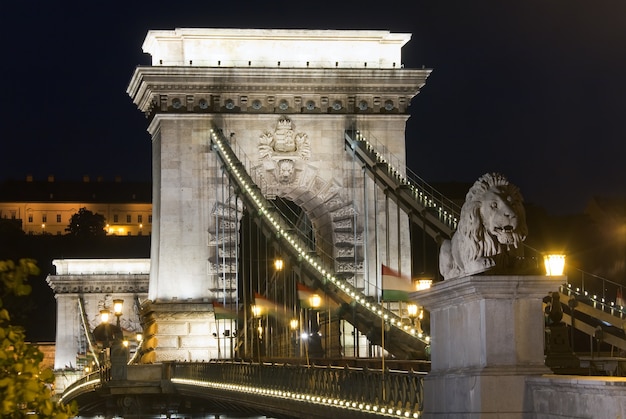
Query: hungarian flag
point(304, 295)
point(395, 286)
point(619, 300)
point(223, 313)
point(264, 305)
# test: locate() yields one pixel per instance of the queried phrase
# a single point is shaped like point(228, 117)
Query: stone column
point(487, 337)
point(67, 330)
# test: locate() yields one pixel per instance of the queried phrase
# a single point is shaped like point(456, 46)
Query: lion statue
point(490, 231)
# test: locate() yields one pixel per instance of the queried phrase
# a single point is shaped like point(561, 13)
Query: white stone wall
point(184, 197)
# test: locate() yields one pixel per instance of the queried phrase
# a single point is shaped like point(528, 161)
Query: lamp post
point(412, 310)
point(559, 356)
point(277, 333)
point(416, 314)
point(315, 341)
point(118, 307)
point(115, 346)
point(256, 314)
point(293, 325)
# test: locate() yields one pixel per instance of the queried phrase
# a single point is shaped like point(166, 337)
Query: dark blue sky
point(533, 89)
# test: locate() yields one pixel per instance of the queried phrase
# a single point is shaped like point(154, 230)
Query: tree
point(25, 389)
point(86, 224)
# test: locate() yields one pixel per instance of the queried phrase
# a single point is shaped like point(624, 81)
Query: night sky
point(535, 90)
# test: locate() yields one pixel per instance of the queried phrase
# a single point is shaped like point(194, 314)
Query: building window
point(128, 218)
point(140, 218)
point(150, 219)
point(58, 218)
point(115, 218)
point(44, 218)
point(30, 218)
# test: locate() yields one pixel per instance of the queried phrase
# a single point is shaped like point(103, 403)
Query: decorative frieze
point(280, 91)
point(109, 284)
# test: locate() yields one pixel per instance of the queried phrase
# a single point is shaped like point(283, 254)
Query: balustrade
point(360, 386)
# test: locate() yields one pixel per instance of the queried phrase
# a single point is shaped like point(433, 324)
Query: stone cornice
point(149, 83)
point(79, 284)
point(475, 288)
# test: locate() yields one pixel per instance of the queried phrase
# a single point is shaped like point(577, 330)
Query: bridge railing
point(446, 210)
point(601, 292)
point(86, 384)
point(603, 299)
point(372, 389)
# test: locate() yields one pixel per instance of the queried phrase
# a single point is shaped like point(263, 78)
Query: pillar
point(487, 337)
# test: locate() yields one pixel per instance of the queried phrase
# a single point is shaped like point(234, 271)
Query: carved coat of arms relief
point(283, 151)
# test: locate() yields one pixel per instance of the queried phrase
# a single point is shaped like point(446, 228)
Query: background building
point(45, 207)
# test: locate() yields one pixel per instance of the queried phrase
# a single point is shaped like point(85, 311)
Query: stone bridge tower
point(285, 99)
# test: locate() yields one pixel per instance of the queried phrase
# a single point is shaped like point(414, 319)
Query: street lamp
point(412, 310)
point(315, 300)
point(416, 314)
point(106, 332)
point(104, 316)
point(293, 324)
point(279, 264)
point(554, 263)
point(118, 306)
point(423, 283)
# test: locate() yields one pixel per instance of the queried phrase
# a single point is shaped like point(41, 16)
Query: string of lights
point(249, 188)
point(377, 409)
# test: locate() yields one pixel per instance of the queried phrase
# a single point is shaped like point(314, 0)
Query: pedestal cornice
point(457, 291)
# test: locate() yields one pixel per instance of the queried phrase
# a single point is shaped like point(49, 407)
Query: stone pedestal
point(487, 337)
point(178, 331)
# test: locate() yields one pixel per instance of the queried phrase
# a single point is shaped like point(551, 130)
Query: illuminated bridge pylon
point(283, 103)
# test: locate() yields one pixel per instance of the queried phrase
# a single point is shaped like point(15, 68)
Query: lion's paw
point(479, 265)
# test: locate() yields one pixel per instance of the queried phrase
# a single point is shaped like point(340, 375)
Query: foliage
point(25, 389)
point(86, 224)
